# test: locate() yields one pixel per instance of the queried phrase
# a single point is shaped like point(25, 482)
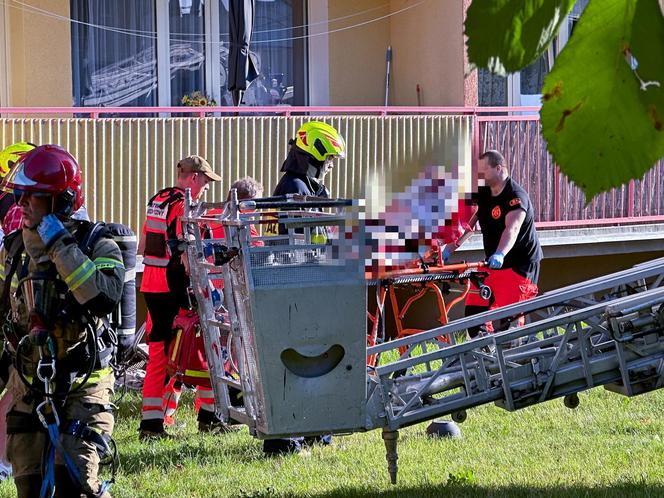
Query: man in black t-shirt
point(511, 246)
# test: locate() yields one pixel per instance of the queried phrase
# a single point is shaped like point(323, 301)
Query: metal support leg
point(390, 438)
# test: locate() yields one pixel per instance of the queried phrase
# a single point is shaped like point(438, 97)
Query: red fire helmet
point(51, 170)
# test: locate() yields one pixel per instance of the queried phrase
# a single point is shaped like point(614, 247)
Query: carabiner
point(50, 374)
point(42, 416)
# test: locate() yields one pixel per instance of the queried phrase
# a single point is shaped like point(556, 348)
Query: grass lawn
point(609, 446)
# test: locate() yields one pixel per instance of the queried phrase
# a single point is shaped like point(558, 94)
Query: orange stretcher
point(429, 279)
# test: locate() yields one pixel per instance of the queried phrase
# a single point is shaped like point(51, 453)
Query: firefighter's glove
point(34, 245)
point(219, 253)
point(496, 260)
point(50, 229)
point(125, 348)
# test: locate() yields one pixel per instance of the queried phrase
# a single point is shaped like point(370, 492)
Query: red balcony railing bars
point(555, 198)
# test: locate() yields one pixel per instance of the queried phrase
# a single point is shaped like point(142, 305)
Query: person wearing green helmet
point(310, 158)
point(8, 157)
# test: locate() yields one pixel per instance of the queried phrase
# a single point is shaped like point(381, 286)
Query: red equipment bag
point(186, 352)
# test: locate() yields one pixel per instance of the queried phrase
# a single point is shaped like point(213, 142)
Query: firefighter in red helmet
point(69, 278)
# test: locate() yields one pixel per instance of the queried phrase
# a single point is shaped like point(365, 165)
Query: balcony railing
point(554, 197)
point(131, 150)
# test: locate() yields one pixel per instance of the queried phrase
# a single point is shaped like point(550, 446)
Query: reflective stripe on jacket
point(160, 226)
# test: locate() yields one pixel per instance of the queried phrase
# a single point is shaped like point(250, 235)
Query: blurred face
point(33, 208)
point(198, 183)
point(491, 175)
point(328, 165)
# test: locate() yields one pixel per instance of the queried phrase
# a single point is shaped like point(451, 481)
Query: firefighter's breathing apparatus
point(46, 300)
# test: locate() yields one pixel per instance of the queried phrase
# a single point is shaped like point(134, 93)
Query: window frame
point(211, 9)
point(318, 54)
point(212, 39)
point(514, 79)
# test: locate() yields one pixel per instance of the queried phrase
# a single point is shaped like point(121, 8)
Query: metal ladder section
point(608, 332)
point(222, 333)
point(227, 332)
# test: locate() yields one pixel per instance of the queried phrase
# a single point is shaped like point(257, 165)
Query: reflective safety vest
point(159, 229)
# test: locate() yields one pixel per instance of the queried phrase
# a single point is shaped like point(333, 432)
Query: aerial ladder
point(295, 326)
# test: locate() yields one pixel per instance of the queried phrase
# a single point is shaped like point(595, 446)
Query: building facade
point(108, 53)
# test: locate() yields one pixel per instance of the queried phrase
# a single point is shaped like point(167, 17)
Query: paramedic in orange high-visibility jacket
point(247, 188)
point(162, 249)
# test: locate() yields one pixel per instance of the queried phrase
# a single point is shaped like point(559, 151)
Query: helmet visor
point(18, 193)
point(339, 146)
point(16, 179)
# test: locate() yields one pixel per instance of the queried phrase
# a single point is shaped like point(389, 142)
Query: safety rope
point(48, 416)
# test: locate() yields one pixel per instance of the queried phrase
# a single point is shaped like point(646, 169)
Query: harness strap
point(102, 442)
point(14, 244)
point(80, 430)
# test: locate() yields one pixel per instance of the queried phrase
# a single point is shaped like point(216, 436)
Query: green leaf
point(602, 126)
point(648, 49)
point(507, 35)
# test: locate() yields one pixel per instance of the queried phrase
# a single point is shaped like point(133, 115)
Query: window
point(277, 53)
point(525, 87)
point(114, 56)
point(186, 22)
point(153, 52)
point(577, 10)
point(492, 89)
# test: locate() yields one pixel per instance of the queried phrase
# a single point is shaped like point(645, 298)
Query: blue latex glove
point(50, 229)
point(208, 249)
point(447, 252)
point(216, 298)
point(496, 260)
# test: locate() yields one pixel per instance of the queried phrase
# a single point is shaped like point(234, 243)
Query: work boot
point(209, 423)
point(146, 435)
point(151, 430)
point(217, 427)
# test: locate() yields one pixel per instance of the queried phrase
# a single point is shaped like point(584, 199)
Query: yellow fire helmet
point(320, 140)
point(10, 155)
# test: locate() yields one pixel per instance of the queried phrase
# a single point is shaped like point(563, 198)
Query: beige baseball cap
point(196, 164)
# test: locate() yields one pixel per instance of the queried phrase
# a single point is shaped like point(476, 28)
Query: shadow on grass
point(456, 491)
point(461, 491)
point(182, 451)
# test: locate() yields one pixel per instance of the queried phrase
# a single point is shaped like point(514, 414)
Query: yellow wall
point(427, 44)
point(357, 55)
point(39, 56)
